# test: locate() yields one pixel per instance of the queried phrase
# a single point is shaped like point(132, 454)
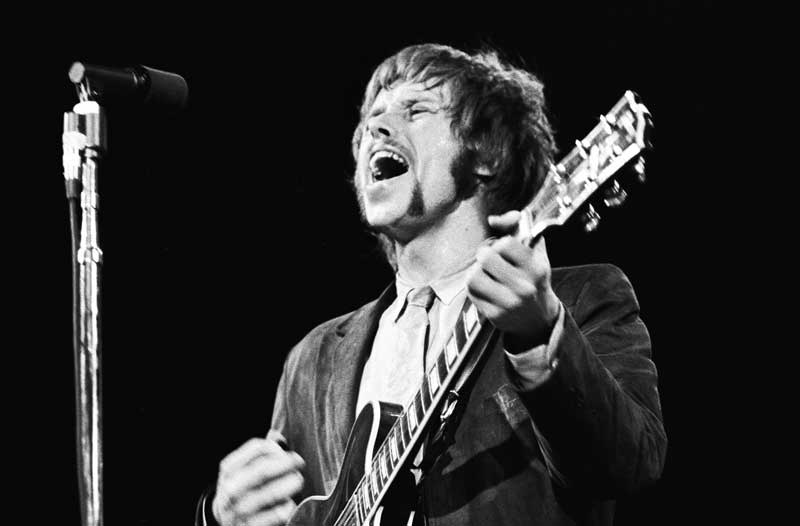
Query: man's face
point(403, 174)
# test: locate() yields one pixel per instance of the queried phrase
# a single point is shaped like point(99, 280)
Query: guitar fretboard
point(410, 425)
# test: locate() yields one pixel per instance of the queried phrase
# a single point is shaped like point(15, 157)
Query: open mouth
point(385, 165)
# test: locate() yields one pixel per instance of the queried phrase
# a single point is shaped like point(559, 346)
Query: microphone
point(138, 84)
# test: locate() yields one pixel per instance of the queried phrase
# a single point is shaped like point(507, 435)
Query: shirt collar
point(446, 287)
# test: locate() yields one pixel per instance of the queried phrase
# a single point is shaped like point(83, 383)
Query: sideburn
point(417, 206)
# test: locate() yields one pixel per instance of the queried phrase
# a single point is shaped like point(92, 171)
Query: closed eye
point(418, 109)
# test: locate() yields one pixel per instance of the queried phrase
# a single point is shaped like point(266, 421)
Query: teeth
point(381, 154)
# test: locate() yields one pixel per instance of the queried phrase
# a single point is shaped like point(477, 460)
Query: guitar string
point(347, 518)
point(346, 515)
point(383, 450)
point(349, 507)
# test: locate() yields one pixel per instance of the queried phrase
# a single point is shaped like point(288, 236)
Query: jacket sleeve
point(598, 417)
point(278, 430)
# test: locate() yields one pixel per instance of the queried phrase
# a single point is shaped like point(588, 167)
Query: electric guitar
point(386, 437)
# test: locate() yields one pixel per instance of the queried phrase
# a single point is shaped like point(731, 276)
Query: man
point(564, 415)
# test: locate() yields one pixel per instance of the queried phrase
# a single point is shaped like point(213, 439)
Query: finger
point(505, 223)
point(539, 249)
point(251, 449)
point(262, 470)
point(514, 252)
point(487, 308)
point(271, 493)
point(503, 271)
point(484, 289)
point(277, 437)
point(277, 516)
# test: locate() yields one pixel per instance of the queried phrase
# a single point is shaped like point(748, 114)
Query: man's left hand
point(510, 285)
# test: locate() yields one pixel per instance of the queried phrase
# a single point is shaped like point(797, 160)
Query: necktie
point(416, 324)
point(414, 319)
point(409, 358)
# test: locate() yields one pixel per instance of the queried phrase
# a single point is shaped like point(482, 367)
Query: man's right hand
point(256, 484)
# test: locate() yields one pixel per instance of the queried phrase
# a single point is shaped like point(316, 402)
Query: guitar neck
point(471, 330)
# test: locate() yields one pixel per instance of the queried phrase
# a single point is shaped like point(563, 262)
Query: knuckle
point(505, 243)
point(527, 290)
point(298, 460)
point(253, 442)
point(298, 482)
point(285, 511)
point(517, 303)
point(473, 277)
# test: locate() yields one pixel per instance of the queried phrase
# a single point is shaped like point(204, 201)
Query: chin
point(380, 220)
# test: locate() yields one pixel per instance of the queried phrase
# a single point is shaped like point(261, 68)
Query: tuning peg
point(591, 219)
point(648, 131)
point(614, 195)
point(639, 169)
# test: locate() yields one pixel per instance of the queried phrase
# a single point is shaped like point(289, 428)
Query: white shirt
point(534, 366)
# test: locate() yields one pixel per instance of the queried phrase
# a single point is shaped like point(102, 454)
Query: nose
point(379, 126)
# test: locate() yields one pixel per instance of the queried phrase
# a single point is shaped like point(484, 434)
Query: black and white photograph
point(378, 266)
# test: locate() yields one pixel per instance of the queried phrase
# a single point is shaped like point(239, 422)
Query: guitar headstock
point(620, 137)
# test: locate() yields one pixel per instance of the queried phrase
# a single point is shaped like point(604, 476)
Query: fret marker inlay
point(451, 350)
point(433, 381)
point(470, 318)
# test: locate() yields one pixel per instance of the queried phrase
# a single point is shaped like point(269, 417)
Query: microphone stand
point(84, 146)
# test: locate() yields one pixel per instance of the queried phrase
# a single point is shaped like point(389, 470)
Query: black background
point(230, 230)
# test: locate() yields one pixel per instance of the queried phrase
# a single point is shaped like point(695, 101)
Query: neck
point(443, 248)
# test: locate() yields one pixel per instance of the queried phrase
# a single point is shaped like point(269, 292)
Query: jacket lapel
point(356, 333)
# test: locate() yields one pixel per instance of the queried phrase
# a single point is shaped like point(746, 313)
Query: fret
point(361, 504)
point(470, 318)
point(433, 380)
point(382, 461)
point(406, 434)
point(369, 498)
point(451, 350)
point(424, 395)
point(419, 409)
point(376, 489)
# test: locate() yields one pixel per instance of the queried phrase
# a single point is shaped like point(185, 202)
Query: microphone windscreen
point(167, 90)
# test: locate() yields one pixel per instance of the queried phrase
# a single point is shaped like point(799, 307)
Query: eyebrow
point(414, 100)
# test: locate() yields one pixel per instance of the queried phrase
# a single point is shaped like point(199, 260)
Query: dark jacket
point(557, 455)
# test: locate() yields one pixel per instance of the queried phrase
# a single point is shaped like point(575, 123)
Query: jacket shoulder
point(596, 293)
point(321, 339)
point(571, 282)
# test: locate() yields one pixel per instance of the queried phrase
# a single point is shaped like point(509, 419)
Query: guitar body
point(369, 431)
